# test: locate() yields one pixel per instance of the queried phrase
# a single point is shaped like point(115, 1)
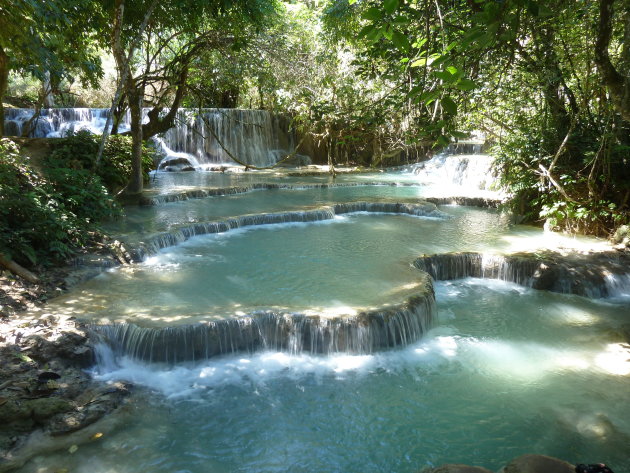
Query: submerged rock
point(537, 464)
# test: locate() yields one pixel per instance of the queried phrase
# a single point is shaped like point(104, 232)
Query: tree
point(35, 37)
point(174, 34)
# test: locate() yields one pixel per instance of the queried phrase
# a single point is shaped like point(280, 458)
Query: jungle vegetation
point(369, 81)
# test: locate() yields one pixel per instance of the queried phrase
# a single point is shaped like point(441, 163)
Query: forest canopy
point(371, 82)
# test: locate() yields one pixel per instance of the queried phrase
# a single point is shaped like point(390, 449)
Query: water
point(504, 371)
point(508, 371)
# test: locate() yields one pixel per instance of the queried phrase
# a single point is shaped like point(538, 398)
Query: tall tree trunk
point(4, 83)
point(136, 96)
point(618, 86)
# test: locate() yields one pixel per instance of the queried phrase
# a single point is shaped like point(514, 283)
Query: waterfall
point(163, 240)
point(364, 333)
point(595, 275)
point(255, 137)
point(472, 171)
point(466, 147)
point(56, 122)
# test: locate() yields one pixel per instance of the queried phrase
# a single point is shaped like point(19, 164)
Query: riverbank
point(46, 392)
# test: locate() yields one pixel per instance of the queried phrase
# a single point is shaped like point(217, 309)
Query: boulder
point(537, 464)
point(176, 164)
point(621, 236)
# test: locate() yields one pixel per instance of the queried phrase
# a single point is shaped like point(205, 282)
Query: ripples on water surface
point(506, 371)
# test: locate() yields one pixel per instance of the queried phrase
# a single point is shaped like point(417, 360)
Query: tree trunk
point(618, 86)
point(135, 107)
point(4, 83)
point(17, 269)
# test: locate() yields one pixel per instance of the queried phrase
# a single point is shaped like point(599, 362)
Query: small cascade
point(594, 276)
point(618, 285)
point(363, 333)
point(466, 147)
point(470, 171)
point(255, 137)
point(179, 235)
point(56, 122)
point(223, 191)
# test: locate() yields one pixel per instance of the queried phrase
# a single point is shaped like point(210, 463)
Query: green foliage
point(44, 217)
point(78, 152)
point(36, 36)
point(577, 201)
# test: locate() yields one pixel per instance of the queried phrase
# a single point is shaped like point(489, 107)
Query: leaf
point(470, 37)
point(415, 90)
point(390, 6)
point(429, 96)
point(437, 60)
point(460, 135)
point(443, 140)
point(418, 44)
point(401, 41)
point(366, 30)
point(24, 358)
point(352, 2)
point(73, 449)
point(400, 20)
point(444, 75)
point(466, 84)
point(448, 105)
point(419, 62)
point(452, 69)
point(373, 14)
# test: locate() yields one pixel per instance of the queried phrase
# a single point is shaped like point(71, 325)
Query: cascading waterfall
point(469, 171)
point(163, 240)
point(187, 194)
point(363, 333)
point(255, 137)
point(595, 276)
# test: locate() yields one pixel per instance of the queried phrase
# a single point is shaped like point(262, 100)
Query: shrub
point(44, 217)
point(79, 151)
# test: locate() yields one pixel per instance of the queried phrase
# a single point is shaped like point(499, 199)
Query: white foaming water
point(618, 286)
point(520, 362)
point(456, 174)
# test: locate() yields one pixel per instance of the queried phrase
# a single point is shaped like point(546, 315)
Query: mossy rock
point(45, 408)
point(14, 410)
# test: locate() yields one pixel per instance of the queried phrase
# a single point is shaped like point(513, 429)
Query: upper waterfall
point(256, 137)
